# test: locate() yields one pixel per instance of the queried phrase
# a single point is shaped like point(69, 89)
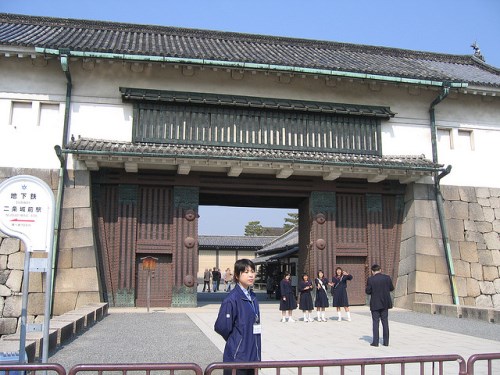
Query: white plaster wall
point(97, 110)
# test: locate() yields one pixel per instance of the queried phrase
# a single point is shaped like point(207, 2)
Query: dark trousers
point(207, 285)
point(244, 371)
point(377, 316)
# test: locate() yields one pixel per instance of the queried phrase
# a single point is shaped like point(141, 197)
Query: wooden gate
point(134, 222)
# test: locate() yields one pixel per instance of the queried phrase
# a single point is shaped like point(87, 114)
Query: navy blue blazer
point(379, 287)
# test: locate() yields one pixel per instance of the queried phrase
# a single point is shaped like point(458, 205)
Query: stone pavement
point(412, 334)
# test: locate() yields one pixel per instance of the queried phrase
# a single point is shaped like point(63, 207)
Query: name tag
point(257, 329)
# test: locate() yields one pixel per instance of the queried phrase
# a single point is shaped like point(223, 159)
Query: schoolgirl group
point(305, 287)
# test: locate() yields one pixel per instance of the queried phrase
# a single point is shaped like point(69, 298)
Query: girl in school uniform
point(321, 301)
point(288, 303)
point(339, 292)
point(306, 302)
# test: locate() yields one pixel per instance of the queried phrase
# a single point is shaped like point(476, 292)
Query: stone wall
point(473, 220)
point(76, 282)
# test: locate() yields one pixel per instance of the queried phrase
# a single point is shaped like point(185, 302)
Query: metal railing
point(433, 364)
point(489, 365)
point(136, 368)
point(32, 369)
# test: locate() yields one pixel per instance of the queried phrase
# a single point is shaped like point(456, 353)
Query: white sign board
point(27, 211)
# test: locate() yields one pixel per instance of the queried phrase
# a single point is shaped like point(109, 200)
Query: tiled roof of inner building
point(233, 242)
point(105, 147)
point(150, 40)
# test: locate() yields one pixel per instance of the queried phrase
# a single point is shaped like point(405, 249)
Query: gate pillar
point(185, 256)
point(321, 247)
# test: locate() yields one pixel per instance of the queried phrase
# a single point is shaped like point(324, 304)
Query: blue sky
point(446, 26)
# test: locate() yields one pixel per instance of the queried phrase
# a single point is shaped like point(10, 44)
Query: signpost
point(27, 213)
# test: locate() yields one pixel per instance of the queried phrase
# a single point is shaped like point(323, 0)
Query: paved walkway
point(186, 335)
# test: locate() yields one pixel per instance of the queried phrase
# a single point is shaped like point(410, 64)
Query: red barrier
point(489, 358)
point(434, 364)
point(138, 367)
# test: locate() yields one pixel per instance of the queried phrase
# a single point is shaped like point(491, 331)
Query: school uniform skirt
point(306, 301)
point(289, 304)
point(321, 298)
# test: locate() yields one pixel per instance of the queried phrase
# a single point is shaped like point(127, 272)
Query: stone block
point(462, 269)
point(36, 303)
point(84, 257)
point(101, 309)
point(16, 261)
point(78, 321)
point(81, 178)
point(456, 210)
point(467, 194)
point(484, 301)
point(495, 256)
point(88, 316)
point(425, 209)
point(65, 330)
point(447, 310)
point(495, 202)
point(423, 192)
point(489, 214)
point(12, 307)
point(496, 225)
point(8, 326)
point(422, 227)
point(482, 192)
point(401, 286)
point(444, 299)
point(470, 225)
point(487, 287)
point(429, 246)
point(4, 292)
point(404, 302)
point(492, 241)
point(77, 197)
point(435, 229)
point(83, 217)
point(485, 257)
point(484, 227)
point(408, 229)
point(455, 252)
point(476, 212)
point(455, 230)
point(77, 280)
point(425, 308)
point(4, 275)
point(67, 218)
point(496, 284)
point(423, 297)
point(407, 248)
point(484, 202)
point(432, 283)
point(468, 252)
point(450, 193)
point(497, 213)
point(412, 282)
point(496, 315)
point(407, 265)
point(3, 262)
point(15, 280)
point(65, 258)
point(469, 301)
point(36, 337)
point(496, 302)
point(490, 273)
point(477, 313)
point(9, 246)
point(36, 282)
point(87, 298)
point(425, 263)
point(71, 238)
point(441, 265)
point(473, 289)
point(476, 271)
point(64, 302)
point(461, 285)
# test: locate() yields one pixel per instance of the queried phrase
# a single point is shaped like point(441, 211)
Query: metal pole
point(148, 290)
point(24, 309)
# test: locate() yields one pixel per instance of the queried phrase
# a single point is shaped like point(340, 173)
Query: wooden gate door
point(159, 296)
point(356, 266)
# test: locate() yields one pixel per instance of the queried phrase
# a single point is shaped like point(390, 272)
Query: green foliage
point(254, 228)
point(291, 221)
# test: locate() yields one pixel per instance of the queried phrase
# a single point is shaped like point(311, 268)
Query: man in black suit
point(379, 287)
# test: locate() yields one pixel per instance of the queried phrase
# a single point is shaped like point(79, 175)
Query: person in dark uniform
point(339, 292)
point(379, 287)
point(238, 321)
point(305, 301)
point(288, 303)
point(321, 301)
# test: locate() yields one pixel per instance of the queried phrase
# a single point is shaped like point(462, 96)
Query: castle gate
point(187, 149)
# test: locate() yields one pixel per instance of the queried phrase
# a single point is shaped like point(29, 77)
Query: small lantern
point(149, 263)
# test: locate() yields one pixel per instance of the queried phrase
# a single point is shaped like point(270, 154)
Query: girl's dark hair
point(338, 268)
point(321, 272)
point(286, 274)
point(240, 266)
point(304, 274)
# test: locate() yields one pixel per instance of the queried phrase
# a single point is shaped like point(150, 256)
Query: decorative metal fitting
point(320, 244)
point(189, 242)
